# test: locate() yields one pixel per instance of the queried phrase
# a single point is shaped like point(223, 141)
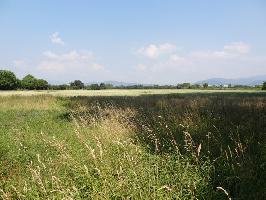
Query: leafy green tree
point(184, 85)
point(109, 86)
point(41, 84)
point(264, 85)
point(59, 87)
point(29, 82)
point(77, 84)
point(8, 80)
point(94, 87)
point(195, 86)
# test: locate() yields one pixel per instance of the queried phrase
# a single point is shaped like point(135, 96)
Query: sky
point(137, 41)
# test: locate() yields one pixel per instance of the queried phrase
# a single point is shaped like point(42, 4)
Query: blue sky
point(145, 41)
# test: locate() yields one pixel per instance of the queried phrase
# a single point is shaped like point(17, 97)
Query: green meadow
point(133, 144)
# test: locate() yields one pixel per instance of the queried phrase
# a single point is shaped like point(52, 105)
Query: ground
point(123, 144)
point(120, 92)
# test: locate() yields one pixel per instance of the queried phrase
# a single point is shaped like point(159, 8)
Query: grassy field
point(120, 92)
point(190, 145)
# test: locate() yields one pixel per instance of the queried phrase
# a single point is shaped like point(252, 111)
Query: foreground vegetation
point(178, 146)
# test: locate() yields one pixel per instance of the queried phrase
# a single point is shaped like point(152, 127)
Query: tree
point(8, 80)
point(183, 86)
point(94, 87)
point(59, 87)
point(41, 84)
point(77, 84)
point(29, 82)
point(102, 86)
point(195, 86)
point(205, 85)
point(264, 85)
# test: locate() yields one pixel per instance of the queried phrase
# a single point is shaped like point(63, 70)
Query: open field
point(120, 92)
point(177, 146)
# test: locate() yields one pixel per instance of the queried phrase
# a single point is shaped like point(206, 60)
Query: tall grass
point(147, 147)
point(228, 131)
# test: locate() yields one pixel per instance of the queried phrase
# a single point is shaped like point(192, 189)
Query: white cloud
point(209, 55)
point(237, 47)
point(70, 56)
point(154, 51)
point(55, 38)
point(179, 60)
point(70, 62)
point(21, 67)
point(67, 66)
point(161, 63)
point(229, 51)
point(193, 65)
point(167, 55)
point(71, 65)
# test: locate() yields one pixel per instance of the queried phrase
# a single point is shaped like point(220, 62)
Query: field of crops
point(128, 144)
point(121, 92)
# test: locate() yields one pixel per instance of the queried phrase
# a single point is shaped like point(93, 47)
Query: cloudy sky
point(144, 41)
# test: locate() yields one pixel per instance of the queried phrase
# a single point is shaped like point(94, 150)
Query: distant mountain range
point(250, 81)
point(114, 83)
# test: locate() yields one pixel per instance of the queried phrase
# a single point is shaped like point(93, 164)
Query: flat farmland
point(132, 144)
point(122, 92)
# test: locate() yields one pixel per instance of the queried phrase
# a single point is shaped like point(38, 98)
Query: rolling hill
point(251, 81)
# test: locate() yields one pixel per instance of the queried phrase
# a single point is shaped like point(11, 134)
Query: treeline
point(9, 81)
